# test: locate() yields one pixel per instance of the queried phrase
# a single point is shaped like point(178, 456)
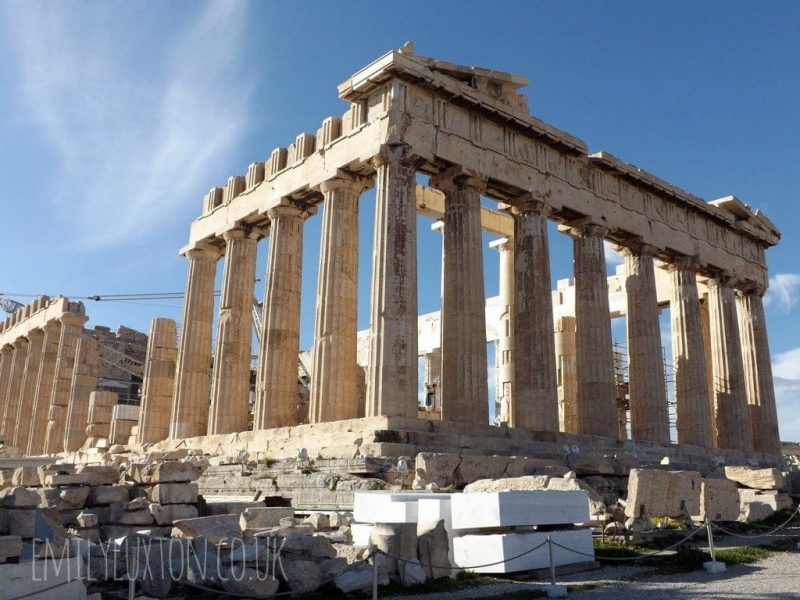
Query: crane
point(9, 305)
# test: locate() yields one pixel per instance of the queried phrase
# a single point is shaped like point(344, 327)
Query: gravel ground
point(777, 576)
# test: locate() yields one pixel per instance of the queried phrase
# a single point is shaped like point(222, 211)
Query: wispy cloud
point(783, 291)
point(133, 129)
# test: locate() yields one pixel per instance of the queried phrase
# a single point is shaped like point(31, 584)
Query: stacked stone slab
point(124, 418)
point(736, 493)
point(158, 383)
point(98, 430)
point(170, 488)
point(84, 381)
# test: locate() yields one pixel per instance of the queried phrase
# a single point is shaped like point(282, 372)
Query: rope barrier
point(452, 568)
point(769, 533)
point(633, 558)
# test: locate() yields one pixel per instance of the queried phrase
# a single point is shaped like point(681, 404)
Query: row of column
point(44, 383)
point(529, 357)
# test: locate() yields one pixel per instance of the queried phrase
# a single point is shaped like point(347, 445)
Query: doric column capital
point(203, 251)
point(457, 177)
point(529, 203)
point(723, 279)
point(290, 208)
point(35, 334)
point(750, 288)
point(390, 153)
point(503, 244)
point(585, 227)
point(20, 342)
point(72, 319)
point(683, 263)
point(345, 180)
point(635, 247)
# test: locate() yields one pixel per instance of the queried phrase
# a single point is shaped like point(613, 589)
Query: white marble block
point(519, 508)
point(388, 507)
point(474, 550)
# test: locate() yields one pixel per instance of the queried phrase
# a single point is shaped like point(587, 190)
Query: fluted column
point(71, 331)
point(596, 407)
point(689, 357)
point(190, 407)
point(566, 370)
point(28, 391)
point(334, 380)
point(158, 382)
point(730, 418)
point(276, 383)
point(504, 349)
point(230, 410)
point(44, 388)
point(13, 389)
point(760, 388)
point(463, 317)
point(535, 403)
point(648, 394)
point(84, 382)
point(6, 358)
point(392, 375)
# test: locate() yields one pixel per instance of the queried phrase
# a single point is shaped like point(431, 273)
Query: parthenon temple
point(468, 134)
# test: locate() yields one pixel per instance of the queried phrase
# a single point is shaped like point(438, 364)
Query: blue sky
point(117, 117)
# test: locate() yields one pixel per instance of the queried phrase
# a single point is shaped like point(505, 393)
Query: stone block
point(472, 550)
point(87, 519)
point(396, 540)
point(264, 517)
point(85, 475)
point(319, 521)
point(10, 546)
point(18, 497)
point(388, 507)
point(302, 545)
point(173, 493)
point(22, 522)
point(303, 576)
point(361, 533)
point(136, 517)
point(167, 514)
point(106, 494)
point(757, 505)
point(216, 528)
point(26, 476)
point(663, 493)
point(472, 468)
point(518, 508)
point(438, 468)
point(758, 479)
point(719, 500)
point(526, 482)
point(433, 549)
point(171, 471)
point(570, 482)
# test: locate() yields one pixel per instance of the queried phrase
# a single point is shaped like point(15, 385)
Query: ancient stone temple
point(470, 131)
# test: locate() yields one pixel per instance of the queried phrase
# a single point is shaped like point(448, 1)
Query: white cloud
point(133, 129)
point(783, 291)
point(612, 256)
point(786, 373)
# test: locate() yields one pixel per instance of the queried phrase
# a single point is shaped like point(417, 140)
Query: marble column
point(44, 388)
point(759, 386)
point(567, 377)
point(705, 320)
point(392, 374)
point(6, 358)
point(84, 382)
point(504, 348)
point(71, 331)
point(433, 378)
point(277, 397)
point(230, 410)
point(596, 406)
point(688, 355)
point(13, 389)
point(334, 379)
point(647, 388)
point(158, 382)
point(730, 418)
point(191, 397)
point(463, 317)
point(535, 403)
point(28, 391)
